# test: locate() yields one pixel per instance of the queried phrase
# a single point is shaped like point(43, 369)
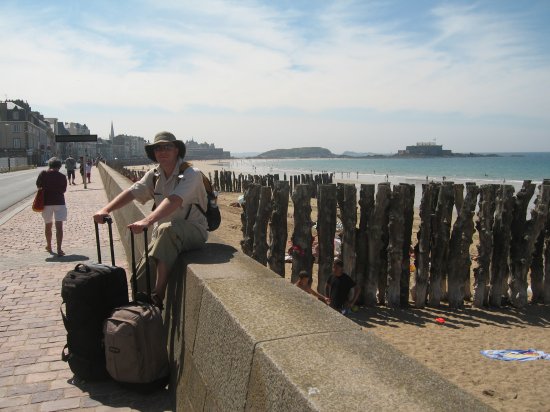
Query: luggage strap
point(147, 268)
point(63, 316)
point(66, 356)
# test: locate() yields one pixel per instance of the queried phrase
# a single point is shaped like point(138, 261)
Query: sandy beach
point(451, 349)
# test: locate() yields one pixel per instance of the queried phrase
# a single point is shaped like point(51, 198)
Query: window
point(17, 143)
point(15, 115)
point(16, 128)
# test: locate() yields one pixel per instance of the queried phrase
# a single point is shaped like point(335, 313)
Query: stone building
point(24, 133)
point(201, 151)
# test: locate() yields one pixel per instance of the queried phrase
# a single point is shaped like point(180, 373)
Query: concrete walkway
point(32, 335)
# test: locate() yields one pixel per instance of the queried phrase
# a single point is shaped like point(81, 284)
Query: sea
point(507, 168)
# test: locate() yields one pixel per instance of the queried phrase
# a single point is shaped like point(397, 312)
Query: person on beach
point(54, 184)
point(338, 289)
point(70, 165)
point(177, 188)
point(304, 283)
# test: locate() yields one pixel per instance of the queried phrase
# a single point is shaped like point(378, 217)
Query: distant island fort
point(425, 149)
point(421, 149)
point(431, 149)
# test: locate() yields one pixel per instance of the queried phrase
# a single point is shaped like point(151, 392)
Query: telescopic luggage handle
point(134, 269)
point(109, 221)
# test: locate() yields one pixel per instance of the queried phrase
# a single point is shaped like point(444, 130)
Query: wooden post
point(278, 230)
point(348, 210)
point(248, 216)
point(223, 187)
point(326, 230)
point(524, 236)
point(423, 249)
point(484, 226)
point(216, 180)
point(408, 216)
point(302, 258)
point(537, 269)
point(459, 197)
point(519, 212)
point(441, 230)
point(366, 204)
point(546, 282)
point(395, 245)
point(259, 251)
point(377, 232)
point(501, 243)
point(459, 261)
point(540, 266)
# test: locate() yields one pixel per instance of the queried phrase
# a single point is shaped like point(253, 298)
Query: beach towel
point(521, 355)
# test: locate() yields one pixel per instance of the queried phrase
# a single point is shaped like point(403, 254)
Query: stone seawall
point(242, 338)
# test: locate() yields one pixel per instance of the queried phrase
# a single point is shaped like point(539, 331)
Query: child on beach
point(338, 289)
point(303, 283)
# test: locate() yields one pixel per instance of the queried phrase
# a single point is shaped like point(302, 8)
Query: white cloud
point(246, 56)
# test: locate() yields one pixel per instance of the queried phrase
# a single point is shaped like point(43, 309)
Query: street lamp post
point(84, 167)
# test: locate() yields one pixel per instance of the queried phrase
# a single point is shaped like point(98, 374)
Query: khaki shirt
point(187, 186)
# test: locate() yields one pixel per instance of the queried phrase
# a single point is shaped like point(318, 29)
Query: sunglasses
point(163, 147)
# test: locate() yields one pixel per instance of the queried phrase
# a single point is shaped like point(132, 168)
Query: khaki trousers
point(172, 238)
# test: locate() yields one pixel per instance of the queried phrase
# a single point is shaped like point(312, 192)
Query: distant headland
point(420, 150)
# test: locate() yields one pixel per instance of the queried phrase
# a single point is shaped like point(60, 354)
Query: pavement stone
point(32, 335)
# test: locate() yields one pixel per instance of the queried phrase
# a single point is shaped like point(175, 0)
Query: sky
point(251, 76)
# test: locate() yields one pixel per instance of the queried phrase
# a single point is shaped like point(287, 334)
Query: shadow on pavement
point(67, 258)
point(109, 393)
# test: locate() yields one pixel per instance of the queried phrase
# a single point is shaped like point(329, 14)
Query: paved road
point(15, 186)
point(32, 376)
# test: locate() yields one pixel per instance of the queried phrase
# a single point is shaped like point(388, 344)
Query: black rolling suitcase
point(90, 292)
point(135, 339)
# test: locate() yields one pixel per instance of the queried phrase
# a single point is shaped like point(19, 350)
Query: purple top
point(54, 184)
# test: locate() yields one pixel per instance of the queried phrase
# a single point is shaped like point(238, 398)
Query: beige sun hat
point(164, 137)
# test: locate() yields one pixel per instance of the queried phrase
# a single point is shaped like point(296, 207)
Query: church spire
point(112, 135)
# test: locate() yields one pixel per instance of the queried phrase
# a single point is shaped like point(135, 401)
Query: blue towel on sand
point(521, 355)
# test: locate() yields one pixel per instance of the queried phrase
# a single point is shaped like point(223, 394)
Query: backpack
point(212, 213)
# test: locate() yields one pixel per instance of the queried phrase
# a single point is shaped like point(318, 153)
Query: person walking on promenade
point(179, 226)
point(54, 184)
point(70, 165)
point(88, 170)
point(303, 283)
point(81, 169)
point(338, 288)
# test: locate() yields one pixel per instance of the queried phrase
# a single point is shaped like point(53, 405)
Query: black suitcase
point(90, 292)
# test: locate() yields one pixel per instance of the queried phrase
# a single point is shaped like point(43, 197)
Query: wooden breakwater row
point(442, 258)
point(228, 181)
point(377, 239)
